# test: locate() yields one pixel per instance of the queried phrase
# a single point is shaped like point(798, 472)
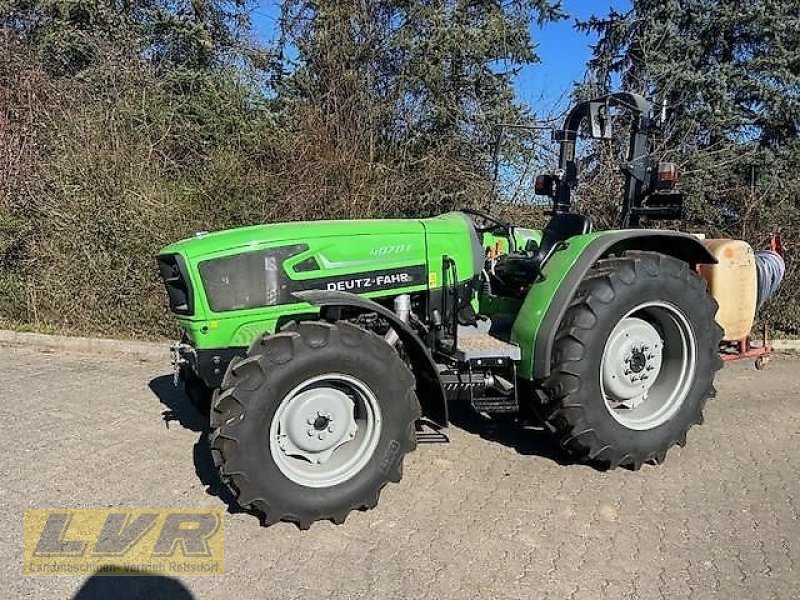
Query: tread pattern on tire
point(565, 406)
point(272, 351)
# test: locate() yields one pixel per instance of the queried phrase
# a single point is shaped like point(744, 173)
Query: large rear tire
point(633, 361)
point(313, 423)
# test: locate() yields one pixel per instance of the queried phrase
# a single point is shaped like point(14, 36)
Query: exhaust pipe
point(402, 306)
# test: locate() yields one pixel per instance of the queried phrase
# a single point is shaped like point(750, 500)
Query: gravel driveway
point(491, 514)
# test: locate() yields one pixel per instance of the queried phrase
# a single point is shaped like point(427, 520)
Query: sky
point(563, 53)
point(562, 50)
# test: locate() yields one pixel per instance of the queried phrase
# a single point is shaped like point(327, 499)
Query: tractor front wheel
point(314, 422)
point(634, 361)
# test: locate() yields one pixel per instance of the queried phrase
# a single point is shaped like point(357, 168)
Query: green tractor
point(318, 347)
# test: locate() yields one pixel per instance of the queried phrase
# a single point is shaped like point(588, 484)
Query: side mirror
point(600, 120)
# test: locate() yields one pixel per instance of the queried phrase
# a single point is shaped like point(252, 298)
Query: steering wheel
point(491, 224)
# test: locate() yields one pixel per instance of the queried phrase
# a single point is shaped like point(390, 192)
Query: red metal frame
point(744, 348)
point(776, 244)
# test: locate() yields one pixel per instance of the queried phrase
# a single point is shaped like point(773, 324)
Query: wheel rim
point(325, 430)
point(648, 365)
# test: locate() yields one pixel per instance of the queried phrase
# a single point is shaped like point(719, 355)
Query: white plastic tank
point(734, 285)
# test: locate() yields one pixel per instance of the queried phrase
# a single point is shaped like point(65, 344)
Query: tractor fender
point(429, 386)
point(682, 246)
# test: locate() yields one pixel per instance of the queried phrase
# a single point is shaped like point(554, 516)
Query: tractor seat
point(561, 227)
point(523, 268)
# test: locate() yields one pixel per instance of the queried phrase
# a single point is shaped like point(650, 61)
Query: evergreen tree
point(74, 34)
point(728, 69)
point(729, 74)
point(419, 75)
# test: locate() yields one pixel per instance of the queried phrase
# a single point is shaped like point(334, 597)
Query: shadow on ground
point(140, 586)
point(528, 439)
point(178, 408)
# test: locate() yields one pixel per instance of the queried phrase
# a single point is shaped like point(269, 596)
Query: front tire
point(313, 423)
point(633, 361)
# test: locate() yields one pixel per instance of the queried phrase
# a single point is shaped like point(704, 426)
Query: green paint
point(347, 248)
point(540, 295)
point(521, 238)
point(340, 248)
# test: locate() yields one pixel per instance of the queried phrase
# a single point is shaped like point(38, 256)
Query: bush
point(103, 170)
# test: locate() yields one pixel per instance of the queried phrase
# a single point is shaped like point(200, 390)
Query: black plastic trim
point(210, 364)
point(165, 264)
point(275, 292)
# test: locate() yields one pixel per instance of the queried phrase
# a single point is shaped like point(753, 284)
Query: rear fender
point(547, 300)
point(429, 387)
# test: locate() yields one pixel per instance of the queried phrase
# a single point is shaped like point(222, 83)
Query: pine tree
point(729, 73)
point(728, 69)
point(421, 75)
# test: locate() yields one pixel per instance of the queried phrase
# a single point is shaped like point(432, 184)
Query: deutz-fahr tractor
point(319, 348)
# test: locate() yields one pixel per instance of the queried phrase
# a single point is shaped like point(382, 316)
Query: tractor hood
point(203, 243)
point(249, 275)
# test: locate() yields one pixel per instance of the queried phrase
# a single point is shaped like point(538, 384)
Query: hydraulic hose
point(770, 269)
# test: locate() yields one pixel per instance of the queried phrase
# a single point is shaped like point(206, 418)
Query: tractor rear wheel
point(634, 361)
point(313, 422)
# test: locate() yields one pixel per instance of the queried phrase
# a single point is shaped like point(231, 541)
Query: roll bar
point(638, 166)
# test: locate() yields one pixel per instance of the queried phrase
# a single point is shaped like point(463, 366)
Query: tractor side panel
point(380, 264)
point(542, 294)
point(452, 236)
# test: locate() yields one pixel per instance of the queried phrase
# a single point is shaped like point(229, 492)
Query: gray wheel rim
point(325, 430)
point(648, 365)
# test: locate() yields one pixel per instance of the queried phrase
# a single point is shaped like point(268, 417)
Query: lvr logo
point(105, 536)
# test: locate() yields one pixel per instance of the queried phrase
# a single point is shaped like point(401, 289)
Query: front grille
point(249, 280)
point(179, 289)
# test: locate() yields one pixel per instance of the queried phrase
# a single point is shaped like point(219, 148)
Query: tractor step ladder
point(478, 345)
point(480, 349)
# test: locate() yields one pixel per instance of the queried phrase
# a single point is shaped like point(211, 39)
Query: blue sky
point(563, 53)
point(562, 50)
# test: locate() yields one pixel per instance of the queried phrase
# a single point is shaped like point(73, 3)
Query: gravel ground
point(491, 514)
